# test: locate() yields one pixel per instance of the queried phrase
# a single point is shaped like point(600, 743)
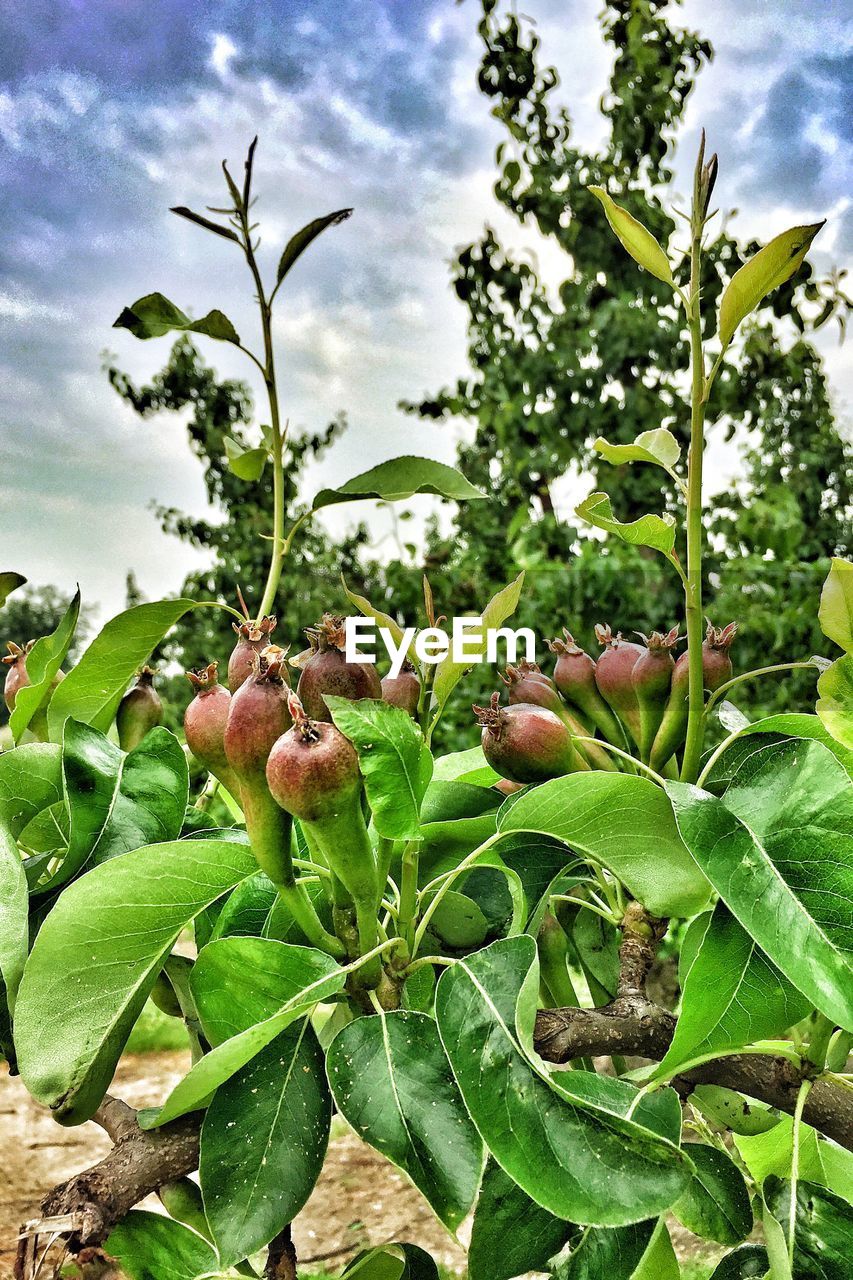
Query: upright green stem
point(696, 697)
point(408, 894)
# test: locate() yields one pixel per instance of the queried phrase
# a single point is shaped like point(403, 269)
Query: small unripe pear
point(257, 716)
point(204, 725)
point(313, 770)
point(16, 676)
point(716, 670)
point(613, 677)
point(526, 743)
point(403, 690)
point(527, 684)
point(326, 671)
point(139, 711)
point(574, 676)
point(252, 637)
point(651, 678)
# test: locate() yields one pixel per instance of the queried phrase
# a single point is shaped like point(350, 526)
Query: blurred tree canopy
point(553, 365)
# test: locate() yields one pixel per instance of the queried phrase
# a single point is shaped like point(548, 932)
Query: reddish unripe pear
point(651, 678)
point(613, 677)
point(16, 676)
point(574, 676)
point(526, 743)
point(204, 725)
point(326, 671)
point(527, 684)
point(252, 637)
point(139, 711)
point(716, 670)
point(403, 690)
point(257, 716)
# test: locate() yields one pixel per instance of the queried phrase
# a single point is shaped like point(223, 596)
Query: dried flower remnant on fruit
point(139, 711)
point(325, 670)
point(716, 660)
point(252, 637)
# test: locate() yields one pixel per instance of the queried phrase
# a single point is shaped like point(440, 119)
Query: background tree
point(555, 365)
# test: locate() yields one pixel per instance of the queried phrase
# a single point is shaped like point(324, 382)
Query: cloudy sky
point(112, 110)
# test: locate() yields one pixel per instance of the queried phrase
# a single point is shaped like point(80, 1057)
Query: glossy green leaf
point(786, 725)
point(263, 1142)
point(154, 316)
point(732, 996)
point(246, 464)
point(398, 479)
point(217, 228)
point(118, 802)
point(448, 801)
point(92, 691)
point(658, 447)
point(9, 582)
point(392, 1082)
point(14, 910)
point(596, 942)
point(511, 1234)
point(465, 766)
point(298, 243)
point(601, 1168)
point(614, 1253)
point(764, 272)
point(501, 606)
point(835, 703)
point(624, 822)
point(778, 850)
point(43, 662)
point(392, 1262)
point(149, 1246)
point(659, 1261)
point(653, 531)
point(749, 1260)
point(731, 1110)
point(770, 1154)
point(823, 1230)
point(459, 922)
point(246, 911)
point(635, 238)
point(716, 1204)
point(96, 957)
point(836, 604)
point(395, 762)
point(253, 972)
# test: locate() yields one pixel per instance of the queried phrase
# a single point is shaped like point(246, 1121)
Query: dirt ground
point(360, 1199)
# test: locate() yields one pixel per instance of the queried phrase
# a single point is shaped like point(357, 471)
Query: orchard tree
point(556, 366)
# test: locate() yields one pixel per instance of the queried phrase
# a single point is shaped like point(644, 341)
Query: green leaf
point(624, 822)
point(731, 1110)
point(9, 582)
point(743, 1263)
point(600, 1168)
point(149, 1246)
point(770, 1154)
point(298, 243)
point(382, 619)
point(209, 225)
point(635, 238)
point(658, 447)
point(392, 1083)
point(465, 766)
point(43, 663)
point(459, 922)
point(836, 604)
point(251, 972)
point(392, 1262)
point(786, 725)
point(614, 1253)
point(154, 316)
point(395, 762)
point(778, 849)
point(246, 464)
point(263, 1142)
point(823, 1230)
point(835, 704)
point(118, 802)
point(770, 267)
point(448, 673)
point(92, 691)
point(398, 479)
point(96, 957)
point(653, 531)
point(716, 1204)
point(511, 1234)
point(246, 911)
point(732, 996)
